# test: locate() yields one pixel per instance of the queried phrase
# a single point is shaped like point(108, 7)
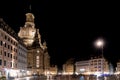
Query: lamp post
point(99, 43)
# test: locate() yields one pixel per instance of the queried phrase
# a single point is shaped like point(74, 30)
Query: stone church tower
point(38, 59)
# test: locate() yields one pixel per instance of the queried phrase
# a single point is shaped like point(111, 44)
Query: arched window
point(37, 61)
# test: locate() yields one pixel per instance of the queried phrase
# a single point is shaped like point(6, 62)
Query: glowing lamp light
point(82, 70)
point(99, 43)
point(98, 74)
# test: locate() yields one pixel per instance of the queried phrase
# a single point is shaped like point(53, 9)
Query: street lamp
point(99, 43)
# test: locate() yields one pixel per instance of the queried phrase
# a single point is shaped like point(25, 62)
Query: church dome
point(27, 33)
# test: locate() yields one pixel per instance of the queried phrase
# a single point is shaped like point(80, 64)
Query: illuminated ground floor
point(12, 73)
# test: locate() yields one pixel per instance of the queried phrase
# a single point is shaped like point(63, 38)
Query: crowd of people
point(86, 77)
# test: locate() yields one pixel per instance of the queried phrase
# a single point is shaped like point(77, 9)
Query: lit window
point(37, 57)
point(37, 65)
point(38, 51)
point(37, 61)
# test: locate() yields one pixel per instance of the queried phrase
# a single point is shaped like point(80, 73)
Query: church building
point(38, 59)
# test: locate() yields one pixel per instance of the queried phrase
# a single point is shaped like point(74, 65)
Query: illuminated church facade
point(38, 59)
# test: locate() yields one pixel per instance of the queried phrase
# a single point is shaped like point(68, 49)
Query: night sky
point(69, 27)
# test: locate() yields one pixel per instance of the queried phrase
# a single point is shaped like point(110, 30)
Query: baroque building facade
point(118, 68)
point(38, 59)
point(11, 63)
point(93, 66)
point(68, 67)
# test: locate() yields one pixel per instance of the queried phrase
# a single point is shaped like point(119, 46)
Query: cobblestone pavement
point(68, 77)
